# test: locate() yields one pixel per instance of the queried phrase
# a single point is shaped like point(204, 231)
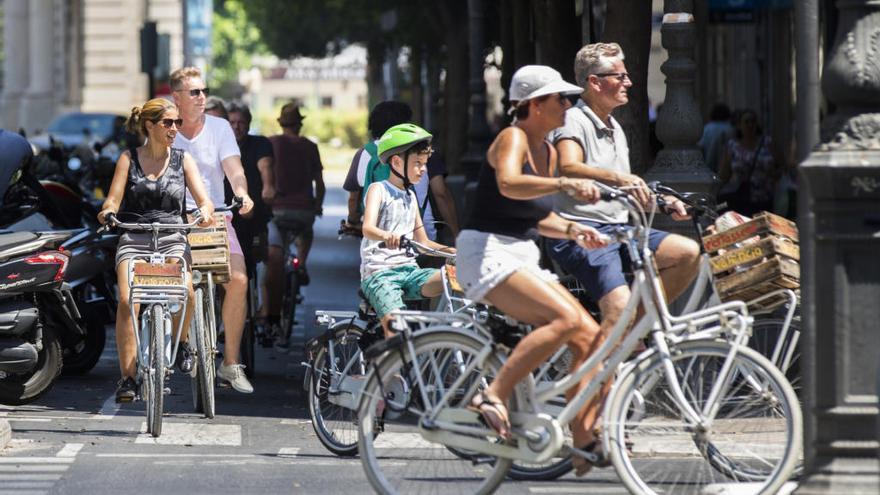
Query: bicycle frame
point(438, 423)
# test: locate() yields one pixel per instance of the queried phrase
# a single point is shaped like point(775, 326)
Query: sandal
point(584, 459)
point(493, 414)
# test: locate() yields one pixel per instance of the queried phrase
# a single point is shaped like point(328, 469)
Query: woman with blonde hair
point(498, 261)
point(149, 184)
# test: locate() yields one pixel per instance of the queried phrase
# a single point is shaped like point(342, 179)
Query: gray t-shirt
point(397, 214)
point(604, 147)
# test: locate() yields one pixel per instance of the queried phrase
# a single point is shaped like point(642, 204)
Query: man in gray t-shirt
point(592, 145)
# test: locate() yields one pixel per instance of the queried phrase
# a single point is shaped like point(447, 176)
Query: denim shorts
point(387, 289)
point(599, 270)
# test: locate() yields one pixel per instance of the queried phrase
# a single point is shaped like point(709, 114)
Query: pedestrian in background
point(716, 133)
point(749, 167)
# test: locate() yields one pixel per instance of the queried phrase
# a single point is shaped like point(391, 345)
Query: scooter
point(34, 303)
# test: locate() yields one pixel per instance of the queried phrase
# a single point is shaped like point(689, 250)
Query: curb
point(5, 433)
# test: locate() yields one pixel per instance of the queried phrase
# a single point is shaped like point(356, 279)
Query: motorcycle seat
point(12, 239)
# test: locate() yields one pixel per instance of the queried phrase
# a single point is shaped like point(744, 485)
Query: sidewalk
point(5, 433)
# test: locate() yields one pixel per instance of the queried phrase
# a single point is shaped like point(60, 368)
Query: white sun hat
point(532, 81)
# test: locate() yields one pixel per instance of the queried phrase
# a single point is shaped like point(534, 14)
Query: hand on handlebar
point(206, 216)
point(637, 187)
point(247, 204)
point(588, 237)
point(105, 215)
point(581, 189)
point(391, 240)
point(675, 208)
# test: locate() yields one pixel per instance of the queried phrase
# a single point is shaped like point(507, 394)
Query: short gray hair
point(594, 59)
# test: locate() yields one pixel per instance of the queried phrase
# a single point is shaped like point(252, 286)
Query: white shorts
point(483, 261)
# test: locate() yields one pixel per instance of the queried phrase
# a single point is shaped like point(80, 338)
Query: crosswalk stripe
point(24, 468)
point(69, 450)
point(27, 484)
point(29, 477)
point(36, 460)
point(193, 434)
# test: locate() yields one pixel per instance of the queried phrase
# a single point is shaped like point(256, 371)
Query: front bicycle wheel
point(156, 396)
point(752, 440)
point(400, 460)
point(203, 382)
point(334, 390)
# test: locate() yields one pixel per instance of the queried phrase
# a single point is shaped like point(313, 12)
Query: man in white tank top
point(212, 143)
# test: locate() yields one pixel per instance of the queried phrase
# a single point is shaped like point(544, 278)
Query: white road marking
point(108, 409)
point(25, 419)
point(69, 450)
point(36, 460)
point(145, 456)
point(743, 488)
point(295, 421)
point(403, 441)
point(572, 489)
point(30, 477)
point(22, 468)
point(288, 452)
point(23, 492)
point(27, 484)
point(193, 434)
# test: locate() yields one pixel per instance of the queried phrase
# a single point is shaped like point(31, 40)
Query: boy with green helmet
point(391, 211)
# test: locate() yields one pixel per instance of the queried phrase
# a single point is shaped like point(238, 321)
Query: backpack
point(376, 172)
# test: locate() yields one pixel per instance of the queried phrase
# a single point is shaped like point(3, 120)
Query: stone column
point(839, 217)
point(478, 129)
point(680, 163)
point(38, 105)
point(15, 63)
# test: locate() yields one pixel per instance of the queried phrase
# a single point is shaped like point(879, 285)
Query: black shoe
point(302, 276)
point(185, 358)
point(126, 390)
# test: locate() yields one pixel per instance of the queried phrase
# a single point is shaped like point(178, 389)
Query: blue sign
point(749, 4)
point(198, 28)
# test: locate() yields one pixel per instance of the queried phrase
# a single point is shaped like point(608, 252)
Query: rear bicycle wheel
point(754, 437)
point(288, 307)
point(332, 401)
point(400, 460)
point(156, 395)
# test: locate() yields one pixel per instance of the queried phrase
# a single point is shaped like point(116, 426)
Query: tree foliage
point(236, 40)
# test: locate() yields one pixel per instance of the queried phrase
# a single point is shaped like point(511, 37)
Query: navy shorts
point(599, 270)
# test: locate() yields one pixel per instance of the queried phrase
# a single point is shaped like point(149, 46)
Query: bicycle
point(157, 288)
point(204, 332)
point(336, 364)
point(694, 388)
point(291, 295)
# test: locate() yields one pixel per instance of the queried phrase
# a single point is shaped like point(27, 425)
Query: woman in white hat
point(497, 258)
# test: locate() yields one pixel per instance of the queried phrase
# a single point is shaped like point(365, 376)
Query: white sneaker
point(234, 374)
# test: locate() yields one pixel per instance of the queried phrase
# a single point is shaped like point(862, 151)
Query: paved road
point(77, 440)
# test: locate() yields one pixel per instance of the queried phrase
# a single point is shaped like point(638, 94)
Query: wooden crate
point(755, 258)
point(210, 249)
point(762, 223)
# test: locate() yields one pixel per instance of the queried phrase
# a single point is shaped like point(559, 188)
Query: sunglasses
point(195, 91)
point(167, 123)
point(620, 76)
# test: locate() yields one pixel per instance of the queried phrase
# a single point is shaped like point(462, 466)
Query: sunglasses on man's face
point(195, 91)
point(167, 123)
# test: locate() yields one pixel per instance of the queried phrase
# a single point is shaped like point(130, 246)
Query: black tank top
point(497, 214)
point(161, 200)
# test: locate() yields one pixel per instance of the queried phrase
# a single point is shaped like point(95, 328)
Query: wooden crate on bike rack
point(757, 257)
point(210, 249)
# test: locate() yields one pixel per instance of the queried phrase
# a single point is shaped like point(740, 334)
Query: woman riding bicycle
point(149, 184)
point(498, 260)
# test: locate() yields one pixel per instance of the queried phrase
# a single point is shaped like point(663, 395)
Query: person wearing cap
point(392, 211)
point(497, 259)
point(592, 145)
point(212, 144)
point(299, 198)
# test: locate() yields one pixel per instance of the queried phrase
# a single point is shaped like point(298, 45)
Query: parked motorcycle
point(37, 314)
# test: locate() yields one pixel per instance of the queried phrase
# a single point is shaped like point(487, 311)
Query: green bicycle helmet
point(400, 138)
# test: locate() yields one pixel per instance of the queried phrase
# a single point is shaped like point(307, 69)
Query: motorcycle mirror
point(74, 164)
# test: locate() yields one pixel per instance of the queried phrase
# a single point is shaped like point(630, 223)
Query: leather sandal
point(493, 414)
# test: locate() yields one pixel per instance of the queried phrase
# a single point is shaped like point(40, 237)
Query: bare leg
point(433, 287)
point(234, 308)
point(274, 272)
point(303, 246)
point(559, 319)
point(678, 259)
point(125, 341)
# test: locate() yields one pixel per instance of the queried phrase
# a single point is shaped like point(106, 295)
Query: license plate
point(156, 280)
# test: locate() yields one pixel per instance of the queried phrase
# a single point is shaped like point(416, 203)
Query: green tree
point(236, 40)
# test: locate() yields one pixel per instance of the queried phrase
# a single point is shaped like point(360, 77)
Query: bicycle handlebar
point(113, 222)
point(413, 248)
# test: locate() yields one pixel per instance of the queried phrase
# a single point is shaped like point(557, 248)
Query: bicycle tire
point(339, 434)
point(765, 333)
point(418, 465)
point(288, 305)
point(156, 396)
point(639, 404)
point(203, 382)
point(248, 339)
